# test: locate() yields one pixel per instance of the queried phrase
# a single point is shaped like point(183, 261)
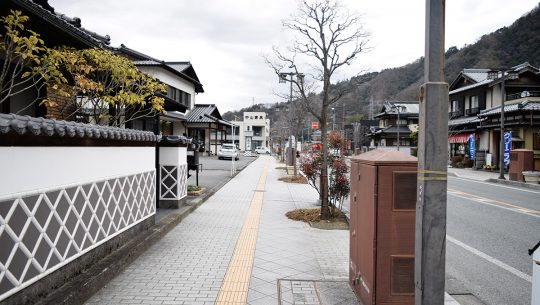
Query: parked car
point(228, 151)
point(262, 150)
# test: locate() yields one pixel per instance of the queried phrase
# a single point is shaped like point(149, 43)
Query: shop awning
point(458, 138)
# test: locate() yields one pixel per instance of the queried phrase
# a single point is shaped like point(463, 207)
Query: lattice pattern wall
point(173, 182)
point(43, 231)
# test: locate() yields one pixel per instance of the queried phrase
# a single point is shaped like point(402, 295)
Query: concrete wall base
point(171, 204)
point(35, 293)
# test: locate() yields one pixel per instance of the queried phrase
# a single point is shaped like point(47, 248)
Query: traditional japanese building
point(475, 100)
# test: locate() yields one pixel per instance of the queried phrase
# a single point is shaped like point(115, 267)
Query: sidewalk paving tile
point(292, 262)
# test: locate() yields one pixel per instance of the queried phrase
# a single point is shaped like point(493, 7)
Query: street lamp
point(398, 109)
point(333, 118)
point(356, 129)
point(503, 75)
point(299, 79)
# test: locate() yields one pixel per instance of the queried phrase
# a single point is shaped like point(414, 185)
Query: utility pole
point(430, 245)
point(505, 75)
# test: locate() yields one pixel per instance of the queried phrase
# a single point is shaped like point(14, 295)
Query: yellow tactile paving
point(234, 289)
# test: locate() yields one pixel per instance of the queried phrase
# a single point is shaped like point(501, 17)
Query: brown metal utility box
point(382, 228)
point(520, 160)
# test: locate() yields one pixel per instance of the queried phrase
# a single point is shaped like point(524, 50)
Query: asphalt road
point(490, 227)
point(215, 171)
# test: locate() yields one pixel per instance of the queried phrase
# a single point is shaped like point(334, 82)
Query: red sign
point(314, 125)
point(458, 138)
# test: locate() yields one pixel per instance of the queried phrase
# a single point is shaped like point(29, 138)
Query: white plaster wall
point(170, 78)
point(264, 123)
point(179, 128)
point(258, 121)
point(484, 141)
point(496, 96)
point(172, 155)
point(29, 169)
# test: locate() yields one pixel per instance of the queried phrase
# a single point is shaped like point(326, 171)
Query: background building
point(252, 131)
point(474, 107)
point(396, 120)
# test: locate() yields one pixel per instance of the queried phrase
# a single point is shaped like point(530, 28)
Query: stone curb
point(84, 286)
point(515, 183)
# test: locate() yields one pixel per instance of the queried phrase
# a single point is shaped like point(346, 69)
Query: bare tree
point(330, 36)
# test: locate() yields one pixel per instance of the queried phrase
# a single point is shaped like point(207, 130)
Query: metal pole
point(355, 135)
point(343, 120)
point(501, 147)
point(308, 130)
point(233, 168)
point(293, 153)
point(333, 118)
point(397, 125)
point(430, 245)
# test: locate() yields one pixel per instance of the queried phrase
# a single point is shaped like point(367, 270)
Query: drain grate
point(313, 292)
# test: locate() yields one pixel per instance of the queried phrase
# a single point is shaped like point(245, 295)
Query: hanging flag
point(471, 146)
point(507, 147)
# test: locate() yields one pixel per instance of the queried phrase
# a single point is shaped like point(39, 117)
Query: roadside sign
point(471, 146)
point(314, 125)
point(507, 147)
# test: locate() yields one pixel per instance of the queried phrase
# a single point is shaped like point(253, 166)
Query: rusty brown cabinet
point(383, 201)
point(520, 160)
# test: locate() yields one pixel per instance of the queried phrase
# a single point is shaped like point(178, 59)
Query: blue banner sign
point(471, 146)
point(507, 147)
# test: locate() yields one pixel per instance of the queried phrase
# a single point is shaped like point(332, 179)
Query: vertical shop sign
point(471, 146)
point(507, 147)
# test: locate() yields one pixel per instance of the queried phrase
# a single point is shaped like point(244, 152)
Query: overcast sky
point(225, 39)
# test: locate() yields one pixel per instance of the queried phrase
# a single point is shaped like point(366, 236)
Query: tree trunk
point(325, 209)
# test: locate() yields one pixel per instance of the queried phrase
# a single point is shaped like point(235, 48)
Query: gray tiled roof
point(463, 121)
point(147, 63)
point(523, 106)
point(70, 25)
point(477, 75)
point(202, 114)
point(179, 66)
point(46, 127)
point(391, 129)
point(174, 67)
point(175, 139)
point(408, 108)
point(484, 82)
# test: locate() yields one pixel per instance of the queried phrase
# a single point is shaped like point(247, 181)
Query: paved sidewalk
point(491, 177)
point(290, 261)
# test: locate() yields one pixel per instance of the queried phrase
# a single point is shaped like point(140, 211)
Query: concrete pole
point(397, 125)
point(430, 245)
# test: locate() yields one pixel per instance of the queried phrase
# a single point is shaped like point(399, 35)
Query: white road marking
point(490, 259)
point(496, 184)
point(495, 203)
